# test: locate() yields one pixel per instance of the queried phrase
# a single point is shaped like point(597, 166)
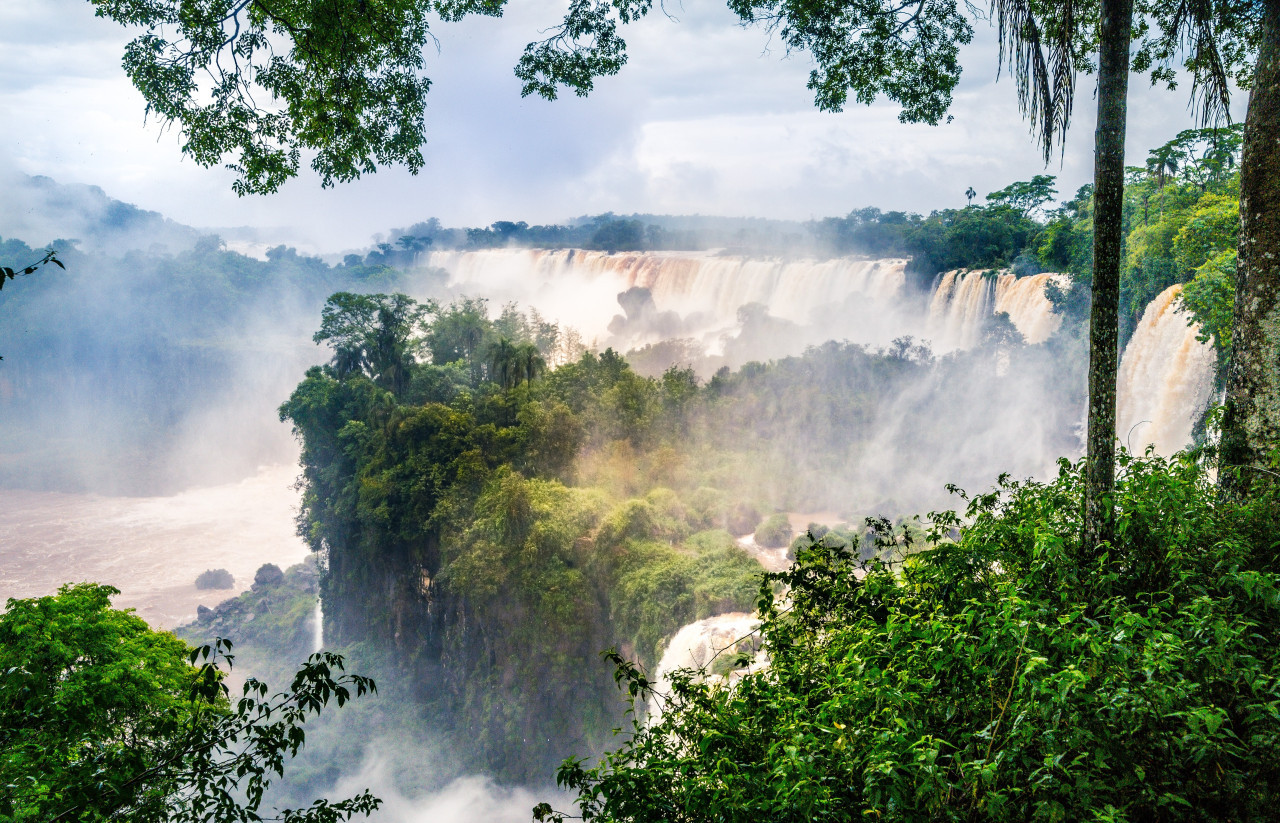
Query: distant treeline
point(1187, 189)
point(979, 236)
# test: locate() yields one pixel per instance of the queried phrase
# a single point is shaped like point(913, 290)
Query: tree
point(996, 678)
point(345, 75)
point(504, 368)
point(373, 334)
point(530, 364)
point(1163, 164)
point(1108, 238)
point(460, 332)
point(102, 718)
point(1026, 196)
point(1251, 423)
point(969, 193)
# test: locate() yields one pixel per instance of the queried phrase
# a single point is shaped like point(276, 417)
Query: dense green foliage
point(774, 532)
point(441, 503)
point(1001, 675)
point(1181, 217)
point(347, 82)
point(102, 718)
point(87, 691)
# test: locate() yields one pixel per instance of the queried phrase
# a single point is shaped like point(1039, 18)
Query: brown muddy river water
point(151, 548)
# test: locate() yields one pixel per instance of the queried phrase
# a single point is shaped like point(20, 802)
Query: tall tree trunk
point(1108, 188)
point(1251, 426)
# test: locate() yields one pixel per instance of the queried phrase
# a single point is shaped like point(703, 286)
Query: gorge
point(931, 388)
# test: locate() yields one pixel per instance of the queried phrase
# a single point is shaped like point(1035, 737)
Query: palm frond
point(1193, 26)
point(1041, 60)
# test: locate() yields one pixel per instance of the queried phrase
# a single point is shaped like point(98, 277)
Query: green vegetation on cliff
point(443, 503)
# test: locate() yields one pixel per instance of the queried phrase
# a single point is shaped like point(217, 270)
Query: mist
point(142, 442)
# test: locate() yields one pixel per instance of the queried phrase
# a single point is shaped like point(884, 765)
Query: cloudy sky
point(707, 118)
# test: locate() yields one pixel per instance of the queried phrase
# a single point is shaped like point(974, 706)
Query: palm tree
point(1163, 164)
point(504, 363)
point(970, 193)
point(529, 362)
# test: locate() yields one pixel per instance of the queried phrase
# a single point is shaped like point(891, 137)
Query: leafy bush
point(215, 579)
point(103, 718)
point(742, 519)
point(1008, 676)
point(775, 532)
point(268, 574)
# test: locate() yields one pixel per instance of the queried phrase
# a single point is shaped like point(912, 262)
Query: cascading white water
point(960, 305)
point(580, 288)
point(1024, 300)
point(962, 301)
point(317, 627)
point(850, 298)
point(1165, 379)
point(697, 645)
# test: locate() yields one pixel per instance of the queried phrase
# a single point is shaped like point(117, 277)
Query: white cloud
point(708, 117)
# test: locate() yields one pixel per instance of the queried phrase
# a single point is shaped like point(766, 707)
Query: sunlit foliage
point(1003, 675)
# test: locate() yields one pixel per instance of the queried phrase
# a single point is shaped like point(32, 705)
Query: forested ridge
point(498, 522)
point(111, 363)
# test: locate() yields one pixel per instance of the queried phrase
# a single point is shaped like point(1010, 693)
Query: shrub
point(215, 579)
point(268, 574)
point(1008, 676)
point(742, 519)
point(775, 532)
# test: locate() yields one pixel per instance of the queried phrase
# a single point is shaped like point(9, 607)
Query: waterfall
point(961, 303)
point(317, 627)
point(700, 293)
point(1024, 300)
point(963, 300)
point(1165, 379)
point(580, 288)
point(697, 645)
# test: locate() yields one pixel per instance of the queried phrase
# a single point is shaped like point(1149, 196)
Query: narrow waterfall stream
point(1165, 380)
point(317, 628)
point(697, 646)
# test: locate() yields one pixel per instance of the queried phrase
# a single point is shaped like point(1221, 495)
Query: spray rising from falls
point(1165, 380)
point(704, 290)
point(701, 295)
point(698, 645)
